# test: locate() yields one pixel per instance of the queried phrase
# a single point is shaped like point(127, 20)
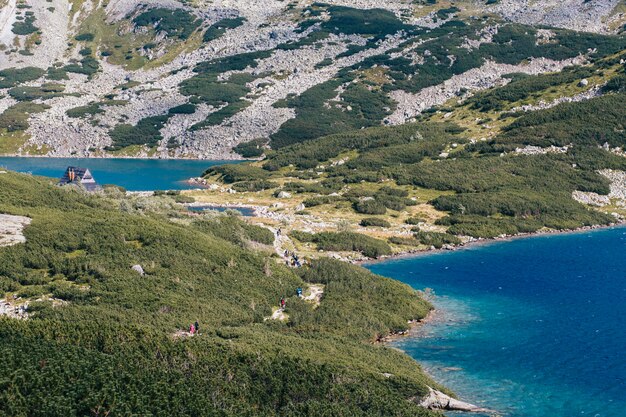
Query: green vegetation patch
point(112, 345)
point(218, 29)
point(176, 23)
point(577, 123)
point(44, 92)
point(15, 118)
point(82, 111)
point(374, 222)
point(146, 132)
point(435, 239)
point(228, 94)
point(186, 108)
point(26, 26)
point(319, 114)
point(252, 149)
point(523, 86)
point(345, 241)
point(87, 66)
point(13, 77)
point(375, 23)
point(232, 173)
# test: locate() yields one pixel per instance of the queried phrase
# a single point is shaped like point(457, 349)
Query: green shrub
point(438, 240)
point(175, 22)
point(374, 221)
point(348, 241)
point(82, 111)
point(252, 149)
point(15, 118)
point(145, 132)
point(404, 241)
point(183, 109)
point(12, 77)
point(25, 27)
point(44, 92)
point(216, 30)
point(85, 37)
point(616, 84)
point(369, 207)
point(232, 173)
point(318, 201)
point(254, 186)
point(235, 230)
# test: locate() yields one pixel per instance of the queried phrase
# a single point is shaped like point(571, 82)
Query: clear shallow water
point(132, 174)
point(530, 327)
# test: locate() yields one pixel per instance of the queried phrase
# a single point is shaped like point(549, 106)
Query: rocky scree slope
point(194, 79)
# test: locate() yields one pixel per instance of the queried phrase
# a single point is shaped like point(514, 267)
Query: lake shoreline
point(484, 241)
point(433, 315)
point(511, 307)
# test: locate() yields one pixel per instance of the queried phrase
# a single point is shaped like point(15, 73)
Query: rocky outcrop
point(138, 269)
point(583, 15)
point(488, 75)
point(618, 183)
point(617, 191)
point(13, 309)
point(12, 228)
point(286, 73)
point(591, 199)
point(437, 400)
point(593, 92)
point(52, 17)
point(536, 150)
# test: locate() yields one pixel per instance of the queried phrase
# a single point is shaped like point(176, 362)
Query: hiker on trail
point(282, 303)
point(299, 292)
point(196, 326)
point(192, 329)
point(278, 232)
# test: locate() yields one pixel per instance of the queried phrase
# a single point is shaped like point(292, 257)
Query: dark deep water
point(530, 327)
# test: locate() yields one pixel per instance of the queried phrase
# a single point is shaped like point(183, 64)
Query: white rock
point(138, 269)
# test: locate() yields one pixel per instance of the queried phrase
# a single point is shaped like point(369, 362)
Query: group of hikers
point(283, 301)
point(291, 259)
point(194, 328)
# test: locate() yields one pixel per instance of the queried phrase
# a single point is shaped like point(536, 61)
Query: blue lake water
point(132, 174)
point(530, 327)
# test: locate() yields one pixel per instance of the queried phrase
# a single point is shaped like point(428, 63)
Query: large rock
point(437, 400)
point(138, 269)
point(11, 229)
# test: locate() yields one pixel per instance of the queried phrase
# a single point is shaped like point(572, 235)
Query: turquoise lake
point(132, 174)
point(529, 327)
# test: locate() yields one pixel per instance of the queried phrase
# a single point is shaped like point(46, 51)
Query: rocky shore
point(485, 241)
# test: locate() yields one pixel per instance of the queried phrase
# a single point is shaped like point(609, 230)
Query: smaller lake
point(132, 174)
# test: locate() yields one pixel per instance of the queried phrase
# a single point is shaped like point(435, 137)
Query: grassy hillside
point(100, 338)
point(431, 182)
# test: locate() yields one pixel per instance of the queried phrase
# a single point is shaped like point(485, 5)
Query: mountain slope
point(116, 74)
point(100, 338)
